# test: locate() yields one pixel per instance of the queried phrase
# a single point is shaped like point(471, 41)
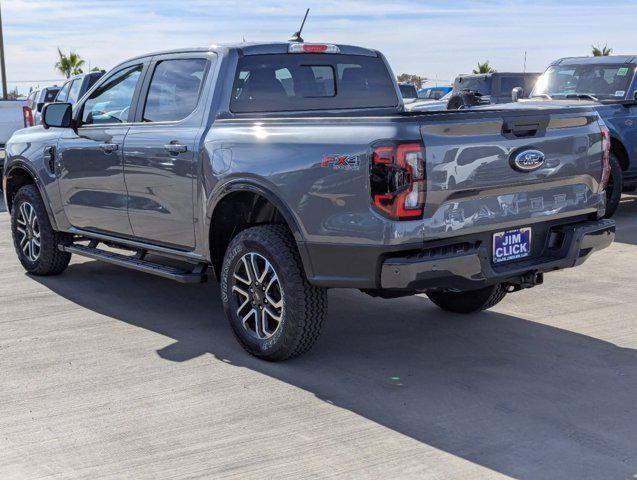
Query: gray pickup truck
point(291, 168)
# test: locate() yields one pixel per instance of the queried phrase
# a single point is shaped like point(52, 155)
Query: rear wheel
point(34, 239)
point(273, 310)
point(615, 186)
point(469, 301)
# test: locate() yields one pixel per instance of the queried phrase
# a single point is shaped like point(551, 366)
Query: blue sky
point(436, 39)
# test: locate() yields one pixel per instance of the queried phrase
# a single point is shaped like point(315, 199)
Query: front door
point(160, 157)
point(91, 170)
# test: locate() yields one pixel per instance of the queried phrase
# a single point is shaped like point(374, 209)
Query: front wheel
point(470, 301)
point(273, 310)
point(35, 241)
point(615, 186)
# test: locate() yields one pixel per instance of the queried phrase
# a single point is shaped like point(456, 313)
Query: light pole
point(3, 70)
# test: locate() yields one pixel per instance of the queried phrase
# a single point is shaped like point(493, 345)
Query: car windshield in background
point(603, 82)
point(408, 91)
point(279, 83)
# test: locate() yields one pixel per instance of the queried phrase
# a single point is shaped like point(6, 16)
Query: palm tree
point(601, 52)
point(484, 68)
point(70, 64)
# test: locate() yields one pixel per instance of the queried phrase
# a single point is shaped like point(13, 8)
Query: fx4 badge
point(342, 162)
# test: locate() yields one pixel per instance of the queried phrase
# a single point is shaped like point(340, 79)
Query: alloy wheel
point(259, 296)
point(29, 230)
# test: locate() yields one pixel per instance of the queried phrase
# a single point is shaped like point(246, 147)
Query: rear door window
point(478, 84)
point(288, 82)
point(174, 89)
point(509, 82)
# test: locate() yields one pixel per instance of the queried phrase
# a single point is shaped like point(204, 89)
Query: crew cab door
point(91, 169)
point(160, 157)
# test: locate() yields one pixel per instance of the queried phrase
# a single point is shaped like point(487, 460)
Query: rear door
point(160, 153)
point(91, 168)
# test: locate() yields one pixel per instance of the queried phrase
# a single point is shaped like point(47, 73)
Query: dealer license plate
point(511, 245)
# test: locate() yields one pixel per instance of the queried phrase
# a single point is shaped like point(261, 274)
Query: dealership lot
point(108, 373)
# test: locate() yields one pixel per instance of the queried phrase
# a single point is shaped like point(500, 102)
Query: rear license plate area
point(511, 245)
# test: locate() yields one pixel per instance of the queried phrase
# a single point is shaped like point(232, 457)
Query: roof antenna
point(297, 36)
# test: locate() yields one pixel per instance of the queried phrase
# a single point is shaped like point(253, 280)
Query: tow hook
point(528, 280)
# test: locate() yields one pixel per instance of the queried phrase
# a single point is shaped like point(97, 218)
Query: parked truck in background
point(496, 87)
point(291, 168)
point(76, 86)
point(37, 98)
point(609, 85)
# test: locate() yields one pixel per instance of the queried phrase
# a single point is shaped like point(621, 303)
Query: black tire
point(469, 301)
point(303, 306)
point(615, 187)
point(49, 260)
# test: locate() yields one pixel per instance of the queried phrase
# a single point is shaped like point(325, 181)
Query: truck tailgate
point(475, 184)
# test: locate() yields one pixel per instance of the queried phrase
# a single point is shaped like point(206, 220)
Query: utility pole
point(3, 70)
point(525, 61)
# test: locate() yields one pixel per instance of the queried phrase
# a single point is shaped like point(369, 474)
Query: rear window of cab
point(297, 82)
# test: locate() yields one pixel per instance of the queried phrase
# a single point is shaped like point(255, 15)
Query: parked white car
point(426, 105)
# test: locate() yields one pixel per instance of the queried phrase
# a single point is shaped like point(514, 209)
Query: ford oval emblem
point(528, 160)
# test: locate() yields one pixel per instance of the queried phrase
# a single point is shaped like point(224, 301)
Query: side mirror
point(39, 107)
point(57, 115)
point(517, 93)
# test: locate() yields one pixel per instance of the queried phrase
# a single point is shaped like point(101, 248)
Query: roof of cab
point(259, 48)
point(596, 60)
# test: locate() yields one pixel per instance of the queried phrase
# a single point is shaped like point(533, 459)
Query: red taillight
point(605, 158)
point(398, 180)
point(27, 117)
point(312, 48)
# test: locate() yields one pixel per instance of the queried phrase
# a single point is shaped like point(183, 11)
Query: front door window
point(111, 102)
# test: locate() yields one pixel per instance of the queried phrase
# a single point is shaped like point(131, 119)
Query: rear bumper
point(467, 266)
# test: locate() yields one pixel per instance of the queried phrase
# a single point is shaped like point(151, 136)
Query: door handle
point(176, 148)
point(109, 147)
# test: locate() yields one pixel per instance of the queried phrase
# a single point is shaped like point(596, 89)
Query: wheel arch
point(19, 175)
point(618, 148)
point(243, 204)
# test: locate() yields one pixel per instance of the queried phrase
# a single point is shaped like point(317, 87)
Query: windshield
point(602, 82)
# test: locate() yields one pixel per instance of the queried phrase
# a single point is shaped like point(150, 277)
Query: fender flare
point(28, 168)
point(252, 186)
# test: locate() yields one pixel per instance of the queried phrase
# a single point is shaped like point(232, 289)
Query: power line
point(38, 81)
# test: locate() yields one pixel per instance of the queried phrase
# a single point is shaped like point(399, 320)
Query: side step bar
point(137, 262)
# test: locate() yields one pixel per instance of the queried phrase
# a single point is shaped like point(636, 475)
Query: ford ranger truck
point(287, 169)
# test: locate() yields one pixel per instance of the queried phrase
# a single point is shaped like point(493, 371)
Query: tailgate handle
point(523, 127)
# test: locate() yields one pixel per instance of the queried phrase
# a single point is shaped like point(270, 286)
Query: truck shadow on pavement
point(521, 398)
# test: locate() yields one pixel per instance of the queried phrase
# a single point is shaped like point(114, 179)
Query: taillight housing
point(398, 180)
point(313, 48)
point(27, 117)
point(605, 158)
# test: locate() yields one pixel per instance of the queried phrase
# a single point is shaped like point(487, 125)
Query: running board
point(137, 262)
